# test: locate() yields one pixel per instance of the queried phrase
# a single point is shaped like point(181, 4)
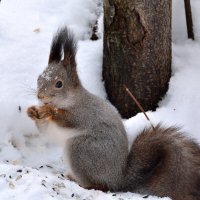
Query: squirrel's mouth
point(45, 101)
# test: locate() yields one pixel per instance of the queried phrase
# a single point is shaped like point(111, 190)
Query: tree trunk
point(137, 52)
point(189, 22)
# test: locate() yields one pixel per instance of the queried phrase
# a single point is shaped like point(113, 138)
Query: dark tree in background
point(189, 21)
point(137, 52)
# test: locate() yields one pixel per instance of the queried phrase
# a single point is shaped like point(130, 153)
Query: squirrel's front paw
point(43, 112)
point(46, 111)
point(33, 112)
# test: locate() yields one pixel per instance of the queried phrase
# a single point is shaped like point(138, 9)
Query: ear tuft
point(69, 50)
point(57, 46)
point(63, 41)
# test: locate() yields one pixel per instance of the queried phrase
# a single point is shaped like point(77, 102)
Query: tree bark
point(137, 52)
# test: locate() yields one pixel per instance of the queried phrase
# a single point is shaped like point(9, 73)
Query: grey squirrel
point(161, 161)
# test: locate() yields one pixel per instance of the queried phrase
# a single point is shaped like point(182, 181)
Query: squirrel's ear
point(57, 44)
point(69, 50)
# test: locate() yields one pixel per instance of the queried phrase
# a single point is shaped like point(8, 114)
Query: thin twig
point(139, 105)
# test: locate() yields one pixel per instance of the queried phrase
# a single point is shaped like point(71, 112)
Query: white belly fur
point(61, 136)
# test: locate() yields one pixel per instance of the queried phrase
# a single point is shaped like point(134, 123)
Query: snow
point(31, 167)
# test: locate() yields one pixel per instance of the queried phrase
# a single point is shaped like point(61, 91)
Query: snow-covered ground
point(30, 166)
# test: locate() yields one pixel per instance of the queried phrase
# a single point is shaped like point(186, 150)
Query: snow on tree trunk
point(137, 52)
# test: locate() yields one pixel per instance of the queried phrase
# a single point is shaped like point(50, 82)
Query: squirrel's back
point(164, 162)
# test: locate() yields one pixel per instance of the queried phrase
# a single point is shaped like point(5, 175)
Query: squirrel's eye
point(58, 84)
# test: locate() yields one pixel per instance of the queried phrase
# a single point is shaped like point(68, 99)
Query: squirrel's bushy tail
point(163, 162)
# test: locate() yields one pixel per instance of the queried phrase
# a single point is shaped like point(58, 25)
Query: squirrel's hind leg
point(90, 162)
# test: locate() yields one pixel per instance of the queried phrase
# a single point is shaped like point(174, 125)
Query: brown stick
point(188, 14)
point(138, 104)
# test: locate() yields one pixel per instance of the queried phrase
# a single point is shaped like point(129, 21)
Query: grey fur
point(161, 162)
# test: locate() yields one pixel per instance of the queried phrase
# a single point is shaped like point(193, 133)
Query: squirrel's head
point(60, 78)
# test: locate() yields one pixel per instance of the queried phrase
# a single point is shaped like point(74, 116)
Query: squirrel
point(161, 162)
